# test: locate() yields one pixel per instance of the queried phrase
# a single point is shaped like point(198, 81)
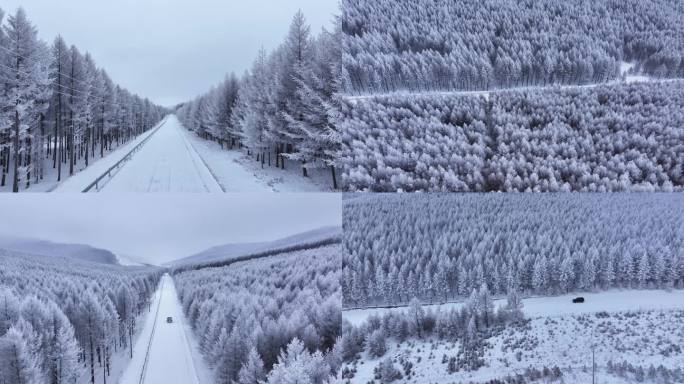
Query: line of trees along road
point(274, 320)
point(439, 247)
point(57, 108)
point(62, 321)
point(392, 45)
point(283, 108)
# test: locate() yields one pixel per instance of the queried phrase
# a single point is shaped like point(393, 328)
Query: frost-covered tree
point(376, 344)
point(19, 362)
point(250, 328)
point(64, 313)
point(48, 106)
point(26, 76)
point(396, 45)
point(530, 140)
point(401, 247)
point(252, 372)
point(284, 109)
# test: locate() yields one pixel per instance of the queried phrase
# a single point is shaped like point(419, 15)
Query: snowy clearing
point(643, 329)
point(164, 352)
point(167, 163)
point(544, 342)
point(557, 306)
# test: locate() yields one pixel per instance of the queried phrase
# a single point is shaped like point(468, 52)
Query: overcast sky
point(158, 228)
point(171, 50)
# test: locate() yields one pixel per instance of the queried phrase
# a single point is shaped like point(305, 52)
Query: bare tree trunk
point(334, 178)
point(15, 183)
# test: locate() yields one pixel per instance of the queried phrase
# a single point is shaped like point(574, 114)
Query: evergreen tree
point(25, 76)
point(253, 370)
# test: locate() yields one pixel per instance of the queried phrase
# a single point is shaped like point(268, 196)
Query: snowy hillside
point(439, 247)
point(275, 319)
point(69, 316)
point(513, 288)
point(240, 250)
point(551, 348)
point(47, 248)
point(392, 45)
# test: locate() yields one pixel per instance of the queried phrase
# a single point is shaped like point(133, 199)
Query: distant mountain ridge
point(52, 249)
point(239, 250)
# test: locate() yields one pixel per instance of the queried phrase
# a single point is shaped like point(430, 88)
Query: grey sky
point(158, 228)
point(171, 50)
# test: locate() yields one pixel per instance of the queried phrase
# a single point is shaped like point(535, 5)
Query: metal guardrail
point(96, 184)
point(143, 373)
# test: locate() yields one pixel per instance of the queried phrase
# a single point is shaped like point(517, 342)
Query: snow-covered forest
point(66, 321)
point(618, 137)
point(282, 111)
point(485, 288)
point(483, 341)
point(59, 111)
point(392, 45)
point(272, 320)
point(439, 247)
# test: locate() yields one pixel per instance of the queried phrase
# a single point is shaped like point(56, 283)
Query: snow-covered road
point(165, 353)
point(167, 163)
point(555, 306)
point(628, 80)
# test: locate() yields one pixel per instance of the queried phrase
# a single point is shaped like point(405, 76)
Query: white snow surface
point(238, 172)
point(558, 306)
point(81, 180)
point(166, 352)
point(637, 326)
point(166, 163)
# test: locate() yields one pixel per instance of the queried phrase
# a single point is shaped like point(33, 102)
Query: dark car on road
point(169, 319)
point(578, 300)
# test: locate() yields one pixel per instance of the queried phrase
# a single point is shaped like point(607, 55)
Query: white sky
point(157, 228)
point(171, 50)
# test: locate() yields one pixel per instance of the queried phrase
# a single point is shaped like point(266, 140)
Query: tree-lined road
point(163, 352)
point(167, 163)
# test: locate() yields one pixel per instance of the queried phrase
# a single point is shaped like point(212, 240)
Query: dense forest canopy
point(392, 45)
point(622, 137)
point(61, 320)
point(274, 319)
point(439, 247)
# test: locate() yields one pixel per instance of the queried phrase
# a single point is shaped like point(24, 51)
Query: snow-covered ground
point(238, 172)
point(625, 69)
point(556, 306)
point(83, 179)
point(166, 163)
point(165, 352)
point(83, 175)
point(177, 161)
point(643, 328)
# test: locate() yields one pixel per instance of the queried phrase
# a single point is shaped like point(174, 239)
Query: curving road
point(167, 163)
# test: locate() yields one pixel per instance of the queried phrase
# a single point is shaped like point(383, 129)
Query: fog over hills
point(47, 248)
point(233, 250)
